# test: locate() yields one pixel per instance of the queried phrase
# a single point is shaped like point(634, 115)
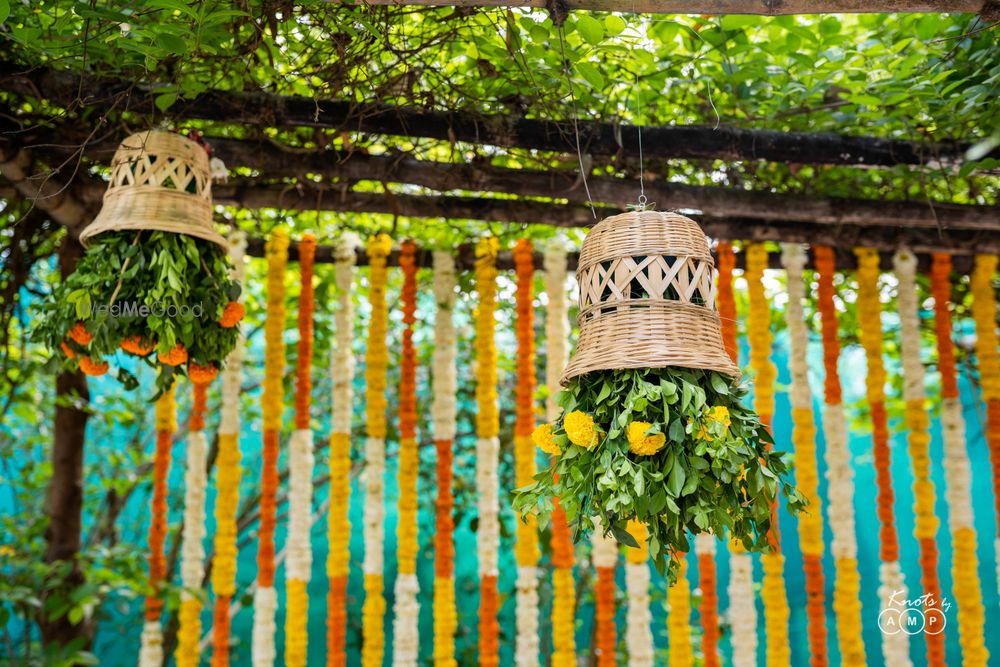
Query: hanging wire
point(642, 201)
point(576, 127)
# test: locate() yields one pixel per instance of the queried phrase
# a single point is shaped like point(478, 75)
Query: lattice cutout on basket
point(624, 282)
point(163, 171)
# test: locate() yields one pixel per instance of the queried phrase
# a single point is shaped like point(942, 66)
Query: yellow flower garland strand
point(776, 610)
point(556, 335)
point(679, 620)
point(958, 479)
point(793, 258)
point(342, 398)
point(373, 610)
point(487, 451)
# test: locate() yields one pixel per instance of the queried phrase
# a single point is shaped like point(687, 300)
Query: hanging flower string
point(847, 589)
point(188, 650)
point(227, 481)
point(895, 646)
point(605, 557)
point(638, 633)
point(526, 552)
point(563, 590)
point(151, 647)
point(298, 567)
point(918, 423)
point(342, 398)
point(406, 641)
point(444, 410)
point(487, 451)
point(958, 479)
point(373, 647)
point(793, 258)
point(984, 312)
point(272, 404)
point(776, 610)
point(679, 620)
point(742, 607)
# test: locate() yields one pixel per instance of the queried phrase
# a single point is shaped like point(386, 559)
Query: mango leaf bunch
point(673, 448)
point(164, 298)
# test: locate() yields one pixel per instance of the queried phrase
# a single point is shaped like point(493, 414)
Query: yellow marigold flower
point(642, 444)
point(580, 429)
point(542, 437)
point(718, 414)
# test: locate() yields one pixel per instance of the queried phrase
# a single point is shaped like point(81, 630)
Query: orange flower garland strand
point(804, 440)
point(526, 647)
point(984, 312)
point(342, 398)
point(958, 479)
point(406, 640)
point(373, 611)
point(188, 651)
point(487, 452)
point(151, 649)
point(605, 557)
point(443, 409)
point(918, 423)
point(776, 610)
point(227, 482)
point(266, 599)
point(895, 646)
point(847, 588)
point(563, 589)
point(298, 565)
point(742, 607)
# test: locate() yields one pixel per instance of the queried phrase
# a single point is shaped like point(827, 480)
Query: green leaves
point(714, 473)
point(590, 28)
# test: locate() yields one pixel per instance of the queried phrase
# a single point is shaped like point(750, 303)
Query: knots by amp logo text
point(924, 614)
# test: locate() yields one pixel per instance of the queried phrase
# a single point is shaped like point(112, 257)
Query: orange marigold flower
point(67, 350)
point(174, 357)
point(200, 374)
point(232, 314)
point(93, 368)
point(135, 345)
point(80, 334)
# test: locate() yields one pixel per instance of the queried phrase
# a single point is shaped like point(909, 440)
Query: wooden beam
point(43, 189)
point(262, 109)
point(273, 161)
point(759, 7)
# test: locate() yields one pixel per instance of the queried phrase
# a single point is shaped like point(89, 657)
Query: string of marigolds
point(984, 312)
point(679, 620)
point(377, 360)
point(298, 565)
point(638, 633)
point(406, 642)
point(443, 411)
point(151, 647)
point(227, 480)
point(918, 423)
point(958, 479)
point(765, 373)
point(742, 608)
point(605, 558)
point(793, 258)
point(556, 334)
point(847, 588)
point(342, 398)
point(526, 552)
point(188, 651)
point(265, 599)
point(487, 451)
point(895, 645)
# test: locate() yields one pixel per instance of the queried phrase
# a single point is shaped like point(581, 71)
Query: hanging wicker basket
point(159, 180)
point(647, 297)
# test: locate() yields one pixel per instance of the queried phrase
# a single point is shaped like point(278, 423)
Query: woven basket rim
point(632, 216)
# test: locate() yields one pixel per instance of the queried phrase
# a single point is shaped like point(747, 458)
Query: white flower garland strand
point(265, 605)
point(556, 321)
point(527, 645)
point(151, 646)
point(487, 483)
point(742, 610)
point(638, 631)
point(298, 563)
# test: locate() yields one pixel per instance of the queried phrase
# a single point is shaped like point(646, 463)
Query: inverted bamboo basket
point(159, 181)
point(647, 297)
